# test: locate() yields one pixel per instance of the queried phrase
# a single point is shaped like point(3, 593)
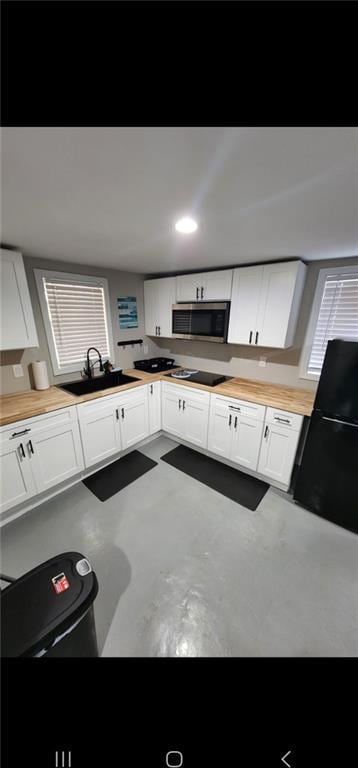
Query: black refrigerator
point(327, 481)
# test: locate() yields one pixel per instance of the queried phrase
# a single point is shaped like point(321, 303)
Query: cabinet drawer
point(284, 418)
point(199, 395)
point(243, 407)
point(117, 400)
point(37, 423)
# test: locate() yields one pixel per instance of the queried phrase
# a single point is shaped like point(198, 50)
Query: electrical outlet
point(18, 371)
point(145, 350)
point(262, 362)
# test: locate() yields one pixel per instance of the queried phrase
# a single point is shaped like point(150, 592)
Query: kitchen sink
point(86, 386)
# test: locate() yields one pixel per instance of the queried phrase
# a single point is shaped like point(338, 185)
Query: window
point(76, 314)
point(334, 316)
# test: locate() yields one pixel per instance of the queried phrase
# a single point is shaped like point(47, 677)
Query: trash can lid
point(45, 602)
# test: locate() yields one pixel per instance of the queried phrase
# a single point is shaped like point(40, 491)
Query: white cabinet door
point(17, 482)
point(154, 407)
point(205, 286)
point(150, 307)
point(165, 300)
point(100, 434)
point(278, 450)
point(134, 420)
point(159, 295)
point(217, 285)
point(281, 292)
point(172, 412)
point(188, 287)
point(195, 415)
point(245, 447)
point(18, 329)
point(221, 422)
point(55, 454)
point(245, 297)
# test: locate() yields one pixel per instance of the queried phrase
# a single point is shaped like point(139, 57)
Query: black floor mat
point(109, 480)
point(244, 489)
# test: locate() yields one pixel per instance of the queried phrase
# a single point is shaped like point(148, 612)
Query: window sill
point(310, 376)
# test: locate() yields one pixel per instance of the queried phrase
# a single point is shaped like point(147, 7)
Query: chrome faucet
point(88, 370)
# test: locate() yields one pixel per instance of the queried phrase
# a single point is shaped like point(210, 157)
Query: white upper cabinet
point(281, 293)
point(265, 304)
point(159, 295)
point(244, 309)
point(204, 286)
point(18, 329)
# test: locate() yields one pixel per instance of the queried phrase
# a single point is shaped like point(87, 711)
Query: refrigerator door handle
point(339, 421)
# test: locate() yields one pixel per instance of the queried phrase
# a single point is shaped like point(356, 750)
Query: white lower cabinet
point(40, 453)
point(246, 442)
point(235, 430)
point(114, 423)
point(279, 445)
point(37, 454)
point(171, 410)
point(185, 413)
point(17, 481)
point(195, 416)
point(134, 421)
point(154, 407)
point(100, 434)
point(55, 455)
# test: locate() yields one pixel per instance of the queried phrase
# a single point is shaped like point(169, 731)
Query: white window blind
point(337, 318)
point(77, 314)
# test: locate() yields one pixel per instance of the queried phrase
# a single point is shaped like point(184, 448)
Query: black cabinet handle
point(235, 424)
point(179, 405)
point(22, 450)
point(230, 419)
point(197, 293)
point(234, 407)
point(183, 405)
point(17, 434)
point(202, 292)
point(250, 337)
point(122, 410)
point(151, 389)
point(158, 330)
point(266, 431)
point(31, 446)
point(286, 421)
point(117, 414)
point(257, 337)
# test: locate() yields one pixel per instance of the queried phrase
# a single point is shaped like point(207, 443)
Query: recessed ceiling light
point(186, 225)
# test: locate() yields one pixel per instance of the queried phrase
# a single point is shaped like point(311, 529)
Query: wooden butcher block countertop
point(25, 405)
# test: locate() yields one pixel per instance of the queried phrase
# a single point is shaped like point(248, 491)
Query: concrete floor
point(184, 571)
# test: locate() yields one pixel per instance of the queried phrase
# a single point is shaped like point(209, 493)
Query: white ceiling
point(111, 196)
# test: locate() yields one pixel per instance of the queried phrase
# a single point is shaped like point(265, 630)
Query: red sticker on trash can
point(60, 583)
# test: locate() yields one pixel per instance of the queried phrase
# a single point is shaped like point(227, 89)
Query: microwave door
point(206, 323)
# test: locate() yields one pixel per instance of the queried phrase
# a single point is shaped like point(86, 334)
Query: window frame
point(70, 276)
point(312, 323)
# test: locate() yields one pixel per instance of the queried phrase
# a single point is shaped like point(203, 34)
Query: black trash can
point(49, 610)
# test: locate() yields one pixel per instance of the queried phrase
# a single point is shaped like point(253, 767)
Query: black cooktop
point(199, 377)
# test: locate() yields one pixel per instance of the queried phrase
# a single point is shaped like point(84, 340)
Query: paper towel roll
point(39, 370)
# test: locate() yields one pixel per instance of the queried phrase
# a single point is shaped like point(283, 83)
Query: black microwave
point(202, 321)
